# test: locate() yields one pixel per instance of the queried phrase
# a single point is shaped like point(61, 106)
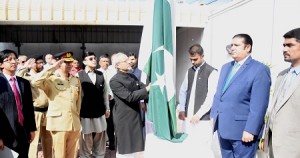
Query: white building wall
point(253, 17)
point(264, 20)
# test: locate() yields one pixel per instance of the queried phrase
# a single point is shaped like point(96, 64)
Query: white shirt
point(91, 74)
point(8, 77)
point(212, 86)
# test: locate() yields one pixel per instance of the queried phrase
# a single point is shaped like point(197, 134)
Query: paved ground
point(108, 154)
point(112, 154)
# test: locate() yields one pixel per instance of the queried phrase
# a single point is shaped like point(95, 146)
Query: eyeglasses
point(9, 60)
point(92, 58)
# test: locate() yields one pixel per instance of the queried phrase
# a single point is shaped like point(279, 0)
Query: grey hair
point(117, 58)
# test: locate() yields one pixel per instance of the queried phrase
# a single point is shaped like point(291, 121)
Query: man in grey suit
point(282, 132)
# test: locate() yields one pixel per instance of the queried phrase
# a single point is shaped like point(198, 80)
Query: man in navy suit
point(17, 106)
point(241, 101)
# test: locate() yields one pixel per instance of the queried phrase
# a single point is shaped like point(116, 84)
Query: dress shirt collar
point(134, 69)
point(296, 69)
point(243, 61)
point(87, 70)
point(8, 77)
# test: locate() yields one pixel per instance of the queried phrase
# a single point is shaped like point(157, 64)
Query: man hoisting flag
point(157, 62)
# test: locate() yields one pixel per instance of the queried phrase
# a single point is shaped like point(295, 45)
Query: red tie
point(18, 101)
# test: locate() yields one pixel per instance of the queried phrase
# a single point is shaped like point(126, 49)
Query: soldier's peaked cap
point(67, 56)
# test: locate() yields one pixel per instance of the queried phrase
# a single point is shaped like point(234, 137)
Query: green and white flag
point(158, 64)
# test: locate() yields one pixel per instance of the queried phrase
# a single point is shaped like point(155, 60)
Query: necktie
point(230, 75)
point(18, 101)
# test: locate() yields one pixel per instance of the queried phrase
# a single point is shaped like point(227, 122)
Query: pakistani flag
point(159, 67)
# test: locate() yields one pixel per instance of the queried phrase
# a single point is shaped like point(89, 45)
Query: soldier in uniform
point(63, 91)
point(40, 103)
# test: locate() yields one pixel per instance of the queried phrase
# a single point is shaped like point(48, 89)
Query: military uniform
point(40, 103)
point(63, 121)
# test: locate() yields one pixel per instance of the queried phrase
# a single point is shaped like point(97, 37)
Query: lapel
point(224, 77)
point(241, 69)
point(98, 75)
point(7, 84)
point(290, 91)
point(278, 84)
point(21, 86)
point(87, 77)
point(238, 73)
point(10, 91)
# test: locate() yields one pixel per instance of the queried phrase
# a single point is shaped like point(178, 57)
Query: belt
point(43, 109)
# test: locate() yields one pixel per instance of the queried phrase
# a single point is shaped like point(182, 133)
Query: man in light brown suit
point(282, 132)
point(64, 93)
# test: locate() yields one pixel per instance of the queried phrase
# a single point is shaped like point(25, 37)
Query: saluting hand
point(58, 63)
point(29, 63)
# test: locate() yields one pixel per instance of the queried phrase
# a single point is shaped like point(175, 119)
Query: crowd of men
point(74, 111)
point(70, 110)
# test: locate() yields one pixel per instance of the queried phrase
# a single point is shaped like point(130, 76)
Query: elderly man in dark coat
point(128, 91)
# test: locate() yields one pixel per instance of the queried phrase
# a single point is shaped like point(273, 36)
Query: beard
point(287, 60)
point(286, 57)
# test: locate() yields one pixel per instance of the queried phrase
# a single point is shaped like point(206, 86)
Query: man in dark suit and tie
point(241, 101)
point(16, 103)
